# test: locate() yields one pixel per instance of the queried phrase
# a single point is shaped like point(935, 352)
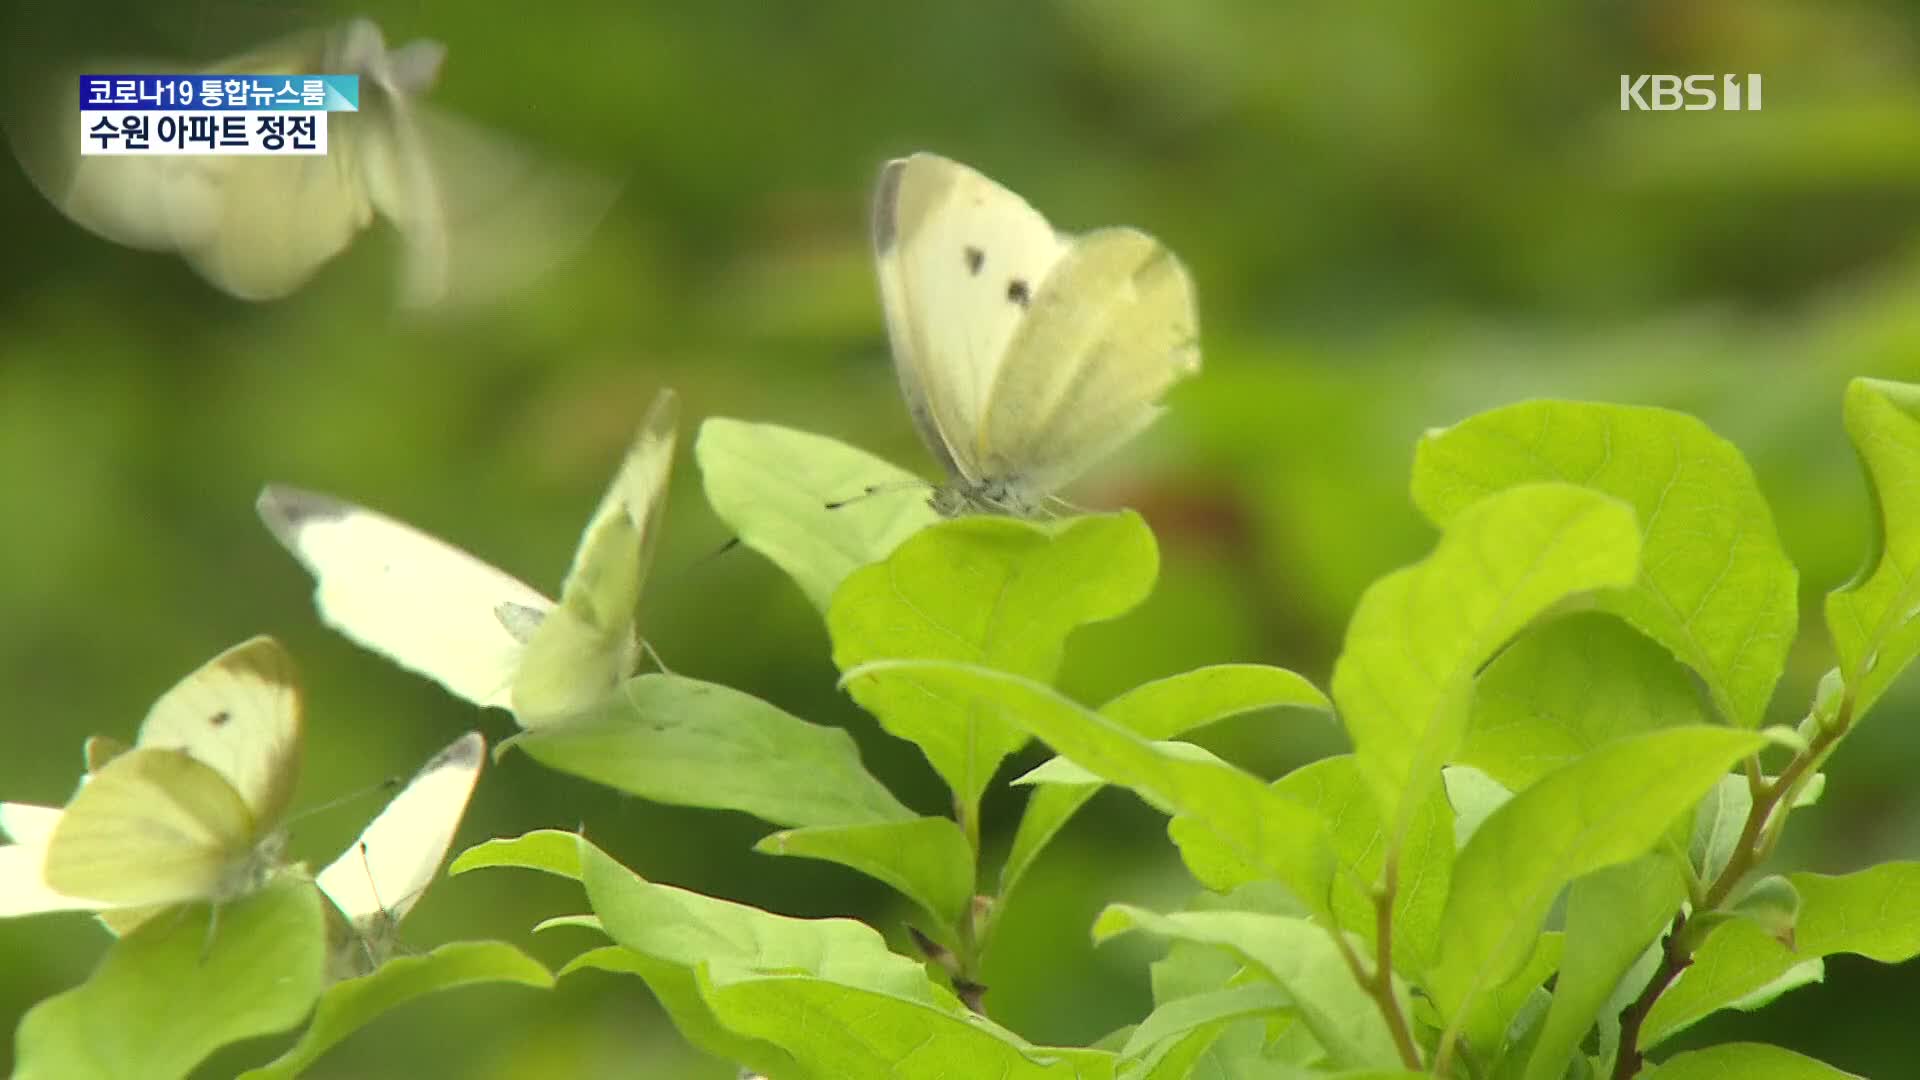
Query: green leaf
point(1189, 969)
point(691, 743)
point(1717, 825)
point(772, 485)
point(1612, 916)
point(666, 936)
point(1612, 805)
point(1870, 913)
point(926, 860)
point(350, 1004)
point(1714, 585)
point(1162, 709)
point(675, 987)
point(1491, 1019)
point(173, 991)
point(1568, 687)
point(1282, 840)
point(1745, 1061)
point(1298, 956)
point(1871, 617)
point(1178, 1057)
point(549, 851)
point(982, 590)
point(687, 929)
point(1176, 1019)
point(1405, 677)
point(1333, 788)
point(848, 1031)
point(1473, 795)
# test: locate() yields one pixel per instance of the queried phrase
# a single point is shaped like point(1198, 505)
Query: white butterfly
point(438, 611)
point(476, 214)
point(378, 879)
point(1025, 356)
point(193, 811)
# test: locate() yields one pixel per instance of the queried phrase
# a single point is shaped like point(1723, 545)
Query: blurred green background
point(1397, 214)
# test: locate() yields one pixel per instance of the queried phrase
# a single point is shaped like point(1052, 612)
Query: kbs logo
point(1666, 93)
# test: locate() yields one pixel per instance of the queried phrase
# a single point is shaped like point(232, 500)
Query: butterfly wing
point(23, 884)
point(959, 258)
point(588, 643)
point(239, 714)
point(25, 823)
point(507, 212)
point(422, 603)
point(256, 226)
point(154, 826)
point(379, 879)
point(1109, 331)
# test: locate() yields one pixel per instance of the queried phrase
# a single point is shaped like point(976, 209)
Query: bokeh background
point(1397, 214)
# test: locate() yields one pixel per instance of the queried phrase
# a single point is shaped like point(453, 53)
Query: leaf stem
point(1756, 842)
point(1378, 983)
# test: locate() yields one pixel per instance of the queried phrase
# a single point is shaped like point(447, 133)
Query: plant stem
point(1378, 983)
point(1747, 854)
point(1383, 968)
point(1672, 962)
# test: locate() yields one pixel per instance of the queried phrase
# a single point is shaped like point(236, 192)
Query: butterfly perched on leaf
point(1025, 355)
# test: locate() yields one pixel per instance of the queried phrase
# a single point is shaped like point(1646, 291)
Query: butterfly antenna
point(213, 925)
point(1070, 507)
point(647, 647)
point(391, 783)
point(878, 489)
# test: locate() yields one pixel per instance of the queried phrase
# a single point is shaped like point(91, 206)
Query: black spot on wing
point(220, 718)
point(1019, 292)
point(975, 260)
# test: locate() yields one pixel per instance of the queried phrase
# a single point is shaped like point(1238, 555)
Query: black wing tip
point(287, 510)
point(465, 752)
point(886, 203)
point(261, 656)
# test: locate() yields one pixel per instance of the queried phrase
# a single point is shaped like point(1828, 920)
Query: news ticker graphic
point(211, 114)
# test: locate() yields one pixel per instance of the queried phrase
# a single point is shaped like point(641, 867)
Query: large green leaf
point(982, 590)
point(1612, 805)
point(666, 935)
point(1612, 916)
point(176, 990)
point(836, 1030)
point(1278, 838)
point(1421, 634)
point(774, 486)
point(1714, 586)
point(1159, 710)
point(1871, 618)
point(691, 743)
point(1490, 1023)
point(549, 851)
point(1177, 1019)
point(1568, 687)
point(927, 860)
point(676, 987)
point(350, 1004)
point(1300, 957)
point(1334, 789)
point(1870, 913)
point(687, 930)
point(1745, 1061)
